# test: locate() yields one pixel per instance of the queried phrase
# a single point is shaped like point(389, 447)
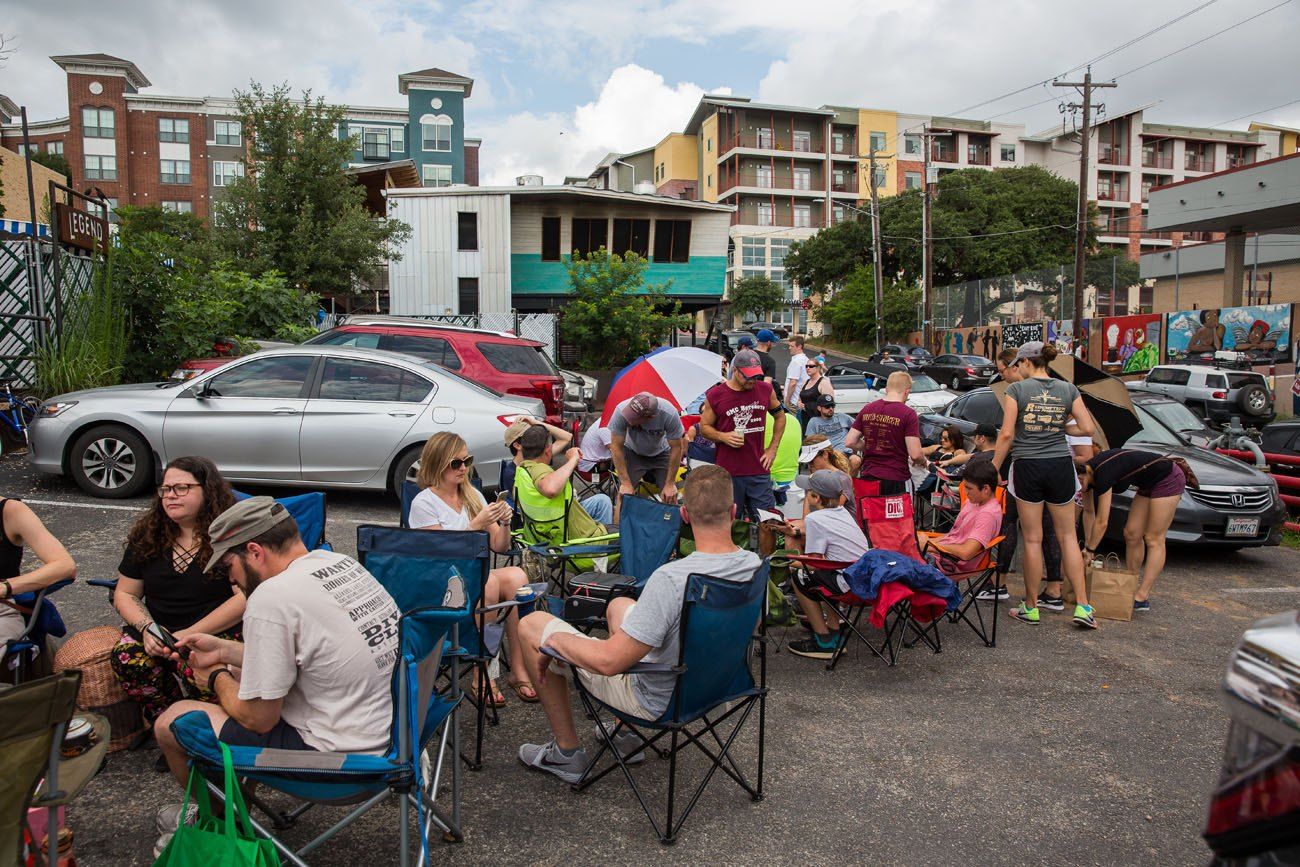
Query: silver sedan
point(310, 416)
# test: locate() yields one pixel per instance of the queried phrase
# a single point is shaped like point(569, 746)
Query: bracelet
point(144, 625)
point(9, 588)
point(212, 678)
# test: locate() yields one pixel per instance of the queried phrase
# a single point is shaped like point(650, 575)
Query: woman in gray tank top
point(1036, 412)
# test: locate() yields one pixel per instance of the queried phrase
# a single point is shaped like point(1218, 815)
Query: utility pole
point(876, 255)
point(1081, 230)
point(927, 243)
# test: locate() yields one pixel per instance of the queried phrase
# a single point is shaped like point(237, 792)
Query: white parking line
point(1262, 590)
point(83, 505)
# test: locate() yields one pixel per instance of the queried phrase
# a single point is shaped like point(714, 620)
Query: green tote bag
point(214, 842)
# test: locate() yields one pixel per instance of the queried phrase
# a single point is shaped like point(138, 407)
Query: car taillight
point(971, 371)
point(1255, 807)
point(550, 391)
point(508, 420)
point(1219, 395)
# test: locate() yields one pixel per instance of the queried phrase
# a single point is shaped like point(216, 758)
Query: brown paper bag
point(1111, 589)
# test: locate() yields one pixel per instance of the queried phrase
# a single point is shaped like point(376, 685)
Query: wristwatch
point(212, 678)
point(9, 588)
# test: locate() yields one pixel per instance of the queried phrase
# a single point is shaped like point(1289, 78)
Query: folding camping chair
point(414, 566)
point(888, 519)
point(719, 621)
point(41, 620)
point(982, 574)
point(545, 534)
point(426, 633)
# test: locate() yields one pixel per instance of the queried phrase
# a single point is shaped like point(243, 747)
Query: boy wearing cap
point(733, 416)
point(560, 438)
point(320, 640)
point(766, 337)
point(646, 442)
point(830, 532)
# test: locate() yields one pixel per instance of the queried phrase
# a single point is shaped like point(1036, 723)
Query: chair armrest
point(818, 562)
point(573, 550)
point(110, 583)
point(636, 668)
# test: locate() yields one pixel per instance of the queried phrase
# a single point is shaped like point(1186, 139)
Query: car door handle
point(399, 414)
point(284, 410)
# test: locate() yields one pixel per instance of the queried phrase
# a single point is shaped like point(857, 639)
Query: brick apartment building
point(178, 152)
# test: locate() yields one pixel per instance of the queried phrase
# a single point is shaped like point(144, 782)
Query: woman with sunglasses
point(161, 586)
point(818, 383)
point(449, 501)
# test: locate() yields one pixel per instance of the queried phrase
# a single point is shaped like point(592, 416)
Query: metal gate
point(28, 315)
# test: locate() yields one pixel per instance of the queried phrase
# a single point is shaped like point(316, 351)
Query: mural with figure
point(1021, 333)
point(1262, 332)
point(1130, 344)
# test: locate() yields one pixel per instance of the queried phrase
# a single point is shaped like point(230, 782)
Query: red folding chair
point(897, 610)
point(888, 519)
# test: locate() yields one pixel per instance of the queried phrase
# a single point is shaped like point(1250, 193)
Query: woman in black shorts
point(1160, 483)
point(1035, 414)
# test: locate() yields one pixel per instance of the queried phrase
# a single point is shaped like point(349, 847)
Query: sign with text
point(80, 229)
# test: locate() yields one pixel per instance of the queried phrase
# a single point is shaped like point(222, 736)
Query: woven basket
point(100, 692)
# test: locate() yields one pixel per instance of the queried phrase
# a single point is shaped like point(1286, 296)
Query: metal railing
point(1112, 155)
point(1156, 160)
point(775, 141)
point(1197, 163)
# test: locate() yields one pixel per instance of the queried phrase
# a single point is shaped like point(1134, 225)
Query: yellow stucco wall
point(679, 155)
point(869, 121)
point(13, 176)
point(708, 159)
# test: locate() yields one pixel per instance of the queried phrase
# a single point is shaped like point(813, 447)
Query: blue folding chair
point(426, 633)
point(416, 564)
point(41, 621)
point(719, 621)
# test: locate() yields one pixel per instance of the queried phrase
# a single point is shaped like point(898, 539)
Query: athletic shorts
point(614, 690)
point(751, 493)
point(282, 736)
point(1171, 485)
point(1043, 480)
point(639, 467)
point(811, 582)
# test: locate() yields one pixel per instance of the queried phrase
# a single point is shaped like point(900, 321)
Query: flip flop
point(495, 697)
point(520, 686)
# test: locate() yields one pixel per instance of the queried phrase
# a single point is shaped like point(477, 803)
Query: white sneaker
point(169, 815)
point(161, 844)
point(547, 757)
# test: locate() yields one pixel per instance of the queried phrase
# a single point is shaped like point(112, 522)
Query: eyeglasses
point(457, 463)
point(179, 490)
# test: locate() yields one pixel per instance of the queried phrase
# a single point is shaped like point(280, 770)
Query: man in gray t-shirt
point(646, 443)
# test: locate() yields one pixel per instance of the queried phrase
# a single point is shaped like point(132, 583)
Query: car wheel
point(404, 469)
point(111, 462)
point(956, 383)
point(1253, 400)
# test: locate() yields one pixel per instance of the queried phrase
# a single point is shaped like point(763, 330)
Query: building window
point(374, 144)
point(801, 140)
point(112, 210)
point(467, 231)
point(710, 142)
point(803, 216)
point(436, 176)
point(632, 236)
point(588, 235)
point(878, 141)
point(912, 145)
point(101, 168)
point(467, 293)
point(878, 178)
point(753, 253)
point(780, 247)
point(224, 173)
point(397, 139)
point(764, 214)
point(802, 178)
point(672, 240)
point(174, 171)
point(176, 207)
point(763, 177)
point(435, 132)
point(839, 143)
point(765, 138)
point(227, 132)
point(1008, 153)
point(550, 239)
point(912, 181)
point(709, 181)
point(173, 129)
point(54, 147)
point(97, 123)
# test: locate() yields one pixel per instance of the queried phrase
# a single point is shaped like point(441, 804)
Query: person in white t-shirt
point(796, 373)
point(320, 639)
point(449, 501)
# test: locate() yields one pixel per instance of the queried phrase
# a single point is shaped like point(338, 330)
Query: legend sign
point(80, 229)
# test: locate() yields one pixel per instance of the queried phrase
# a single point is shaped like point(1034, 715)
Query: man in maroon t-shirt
point(888, 434)
point(734, 416)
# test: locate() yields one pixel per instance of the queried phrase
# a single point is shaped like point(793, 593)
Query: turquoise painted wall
point(703, 276)
point(419, 103)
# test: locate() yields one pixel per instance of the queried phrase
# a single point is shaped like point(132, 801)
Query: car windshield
point(1154, 430)
point(923, 384)
point(1176, 417)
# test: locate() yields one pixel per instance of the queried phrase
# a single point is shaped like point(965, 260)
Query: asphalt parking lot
point(1057, 746)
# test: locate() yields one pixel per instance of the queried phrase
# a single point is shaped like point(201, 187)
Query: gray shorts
point(653, 470)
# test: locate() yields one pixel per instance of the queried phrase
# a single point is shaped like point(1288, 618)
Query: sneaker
point(812, 648)
point(1025, 614)
point(1141, 604)
point(1055, 603)
point(628, 745)
point(169, 817)
point(547, 757)
point(992, 592)
point(1083, 617)
point(160, 844)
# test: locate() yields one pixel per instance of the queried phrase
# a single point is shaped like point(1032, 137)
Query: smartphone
point(168, 640)
point(502, 496)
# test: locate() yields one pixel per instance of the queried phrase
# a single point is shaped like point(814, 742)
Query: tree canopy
point(755, 294)
point(613, 314)
point(851, 309)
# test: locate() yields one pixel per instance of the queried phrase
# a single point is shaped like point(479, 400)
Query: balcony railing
point(847, 147)
point(845, 185)
point(786, 219)
point(978, 156)
point(1197, 237)
point(1155, 160)
point(1235, 161)
point(771, 181)
point(943, 155)
point(1157, 235)
point(1112, 155)
point(775, 141)
point(1112, 194)
point(1198, 163)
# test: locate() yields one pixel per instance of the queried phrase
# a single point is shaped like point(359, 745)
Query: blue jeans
point(600, 507)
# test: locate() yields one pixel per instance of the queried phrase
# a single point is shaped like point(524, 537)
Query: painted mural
point(1021, 333)
point(1130, 344)
point(1263, 332)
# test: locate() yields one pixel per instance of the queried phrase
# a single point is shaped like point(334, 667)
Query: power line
point(1200, 41)
point(1254, 113)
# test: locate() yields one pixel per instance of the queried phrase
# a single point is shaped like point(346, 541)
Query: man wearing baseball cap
point(766, 337)
point(733, 417)
point(320, 640)
point(646, 442)
point(560, 438)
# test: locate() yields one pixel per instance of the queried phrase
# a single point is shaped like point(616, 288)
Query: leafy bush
point(613, 316)
point(756, 295)
point(89, 351)
point(851, 310)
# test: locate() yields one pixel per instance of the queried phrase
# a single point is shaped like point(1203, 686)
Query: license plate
point(1242, 527)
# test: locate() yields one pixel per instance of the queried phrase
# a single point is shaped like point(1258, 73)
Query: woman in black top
point(816, 385)
point(161, 581)
point(19, 529)
point(1159, 484)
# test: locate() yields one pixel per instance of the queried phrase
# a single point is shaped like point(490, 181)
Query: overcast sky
point(560, 83)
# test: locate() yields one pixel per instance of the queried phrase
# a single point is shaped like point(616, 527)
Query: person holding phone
point(449, 501)
point(161, 589)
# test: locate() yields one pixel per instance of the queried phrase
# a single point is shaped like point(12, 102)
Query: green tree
point(851, 310)
point(613, 313)
point(294, 211)
point(54, 161)
point(826, 260)
point(756, 295)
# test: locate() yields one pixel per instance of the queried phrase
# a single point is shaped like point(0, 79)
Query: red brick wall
point(903, 167)
point(79, 96)
point(146, 187)
point(471, 165)
point(675, 188)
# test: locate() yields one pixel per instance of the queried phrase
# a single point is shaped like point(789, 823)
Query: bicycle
point(16, 413)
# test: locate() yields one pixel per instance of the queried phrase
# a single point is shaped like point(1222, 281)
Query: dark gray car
point(1236, 505)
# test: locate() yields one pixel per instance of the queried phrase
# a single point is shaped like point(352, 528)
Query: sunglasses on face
point(457, 463)
point(810, 366)
point(179, 490)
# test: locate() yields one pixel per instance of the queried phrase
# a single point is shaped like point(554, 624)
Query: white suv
point(1217, 394)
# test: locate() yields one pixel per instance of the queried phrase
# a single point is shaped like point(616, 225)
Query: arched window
point(97, 122)
point(435, 132)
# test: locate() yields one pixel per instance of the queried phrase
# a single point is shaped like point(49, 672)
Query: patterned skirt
point(155, 683)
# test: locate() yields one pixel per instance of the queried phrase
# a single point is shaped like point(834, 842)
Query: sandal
point(495, 697)
point(519, 686)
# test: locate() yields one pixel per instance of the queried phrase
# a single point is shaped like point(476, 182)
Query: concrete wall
point(13, 178)
point(426, 279)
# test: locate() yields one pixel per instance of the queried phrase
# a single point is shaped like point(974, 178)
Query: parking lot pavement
point(1057, 747)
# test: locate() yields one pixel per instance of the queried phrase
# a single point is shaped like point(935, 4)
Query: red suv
point(496, 359)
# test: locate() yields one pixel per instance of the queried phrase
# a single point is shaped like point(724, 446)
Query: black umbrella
point(1106, 398)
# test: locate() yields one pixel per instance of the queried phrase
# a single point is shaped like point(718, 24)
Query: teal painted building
point(496, 249)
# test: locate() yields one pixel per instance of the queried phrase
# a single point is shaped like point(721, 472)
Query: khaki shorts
point(614, 690)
